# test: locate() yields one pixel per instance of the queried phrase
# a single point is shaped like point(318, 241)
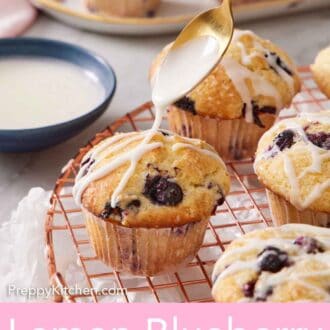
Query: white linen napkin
point(22, 262)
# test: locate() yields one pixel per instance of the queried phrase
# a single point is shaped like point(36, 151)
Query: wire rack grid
point(245, 209)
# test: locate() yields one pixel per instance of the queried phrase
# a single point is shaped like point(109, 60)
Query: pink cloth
point(15, 17)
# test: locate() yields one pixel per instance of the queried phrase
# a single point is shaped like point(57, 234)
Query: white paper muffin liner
point(283, 212)
point(144, 251)
point(233, 139)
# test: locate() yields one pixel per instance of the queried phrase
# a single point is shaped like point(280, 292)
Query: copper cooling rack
point(245, 209)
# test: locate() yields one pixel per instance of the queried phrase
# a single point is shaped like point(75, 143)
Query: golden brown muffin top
point(293, 161)
point(131, 8)
point(178, 181)
point(254, 77)
point(282, 264)
point(321, 70)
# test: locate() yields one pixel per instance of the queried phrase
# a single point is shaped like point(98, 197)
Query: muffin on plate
point(130, 8)
point(293, 162)
point(148, 215)
point(290, 263)
point(232, 107)
point(321, 70)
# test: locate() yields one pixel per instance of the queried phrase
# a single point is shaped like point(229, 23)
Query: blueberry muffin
point(290, 263)
point(321, 71)
point(293, 162)
point(129, 8)
point(148, 215)
point(239, 100)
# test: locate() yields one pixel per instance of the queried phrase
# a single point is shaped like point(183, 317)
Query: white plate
point(171, 16)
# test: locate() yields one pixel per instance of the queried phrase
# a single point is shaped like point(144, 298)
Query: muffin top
point(131, 8)
point(293, 160)
point(321, 70)
point(254, 78)
point(282, 264)
point(172, 181)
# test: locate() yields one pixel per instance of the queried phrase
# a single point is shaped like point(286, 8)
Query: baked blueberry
point(220, 197)
point(322, 140)
point(134, 205)
point(162, 191)
point(85, 162)
point(186, 130)
point(182, 230)
point(150, 13)
point(89, 162)
point(285, 140)
point(256, 110)
point(263, 297)
point(309, 244)
point(186, 104)
point(272, 259)
point(248, 289)
point(165, 133)
point(279, 63)
point(221, 200)
point(114, 212)
point(268, 109)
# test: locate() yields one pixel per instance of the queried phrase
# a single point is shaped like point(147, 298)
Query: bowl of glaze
point(70, 88)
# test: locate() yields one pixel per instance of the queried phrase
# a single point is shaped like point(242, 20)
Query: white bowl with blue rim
point(30, 139)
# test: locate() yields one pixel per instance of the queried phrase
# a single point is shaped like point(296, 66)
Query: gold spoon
point(217, 23)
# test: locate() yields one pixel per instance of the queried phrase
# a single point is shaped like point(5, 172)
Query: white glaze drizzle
point(318, 155)
point(296, 254)
point(282, 73)
point(83, 179)
point(133, 157)
point(105, 145)
point(236, 267)
point(209, 153)
point(239, 73)
point(260, 245)
point(245, 57)
point(261, 52)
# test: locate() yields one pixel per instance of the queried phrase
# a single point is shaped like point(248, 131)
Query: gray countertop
point(302, 36)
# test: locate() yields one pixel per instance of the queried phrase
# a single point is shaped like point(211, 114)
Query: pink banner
point(164, 317)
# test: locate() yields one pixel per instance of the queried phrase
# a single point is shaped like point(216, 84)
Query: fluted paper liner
point(144, 251)
point(233, 139)
point(283, 212)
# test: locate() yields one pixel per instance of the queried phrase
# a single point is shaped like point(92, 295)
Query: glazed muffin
point(290, 263)
point(293, 162)
point(148, 215)
point(321, 71)
point(131, 8)
point(239, 100)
